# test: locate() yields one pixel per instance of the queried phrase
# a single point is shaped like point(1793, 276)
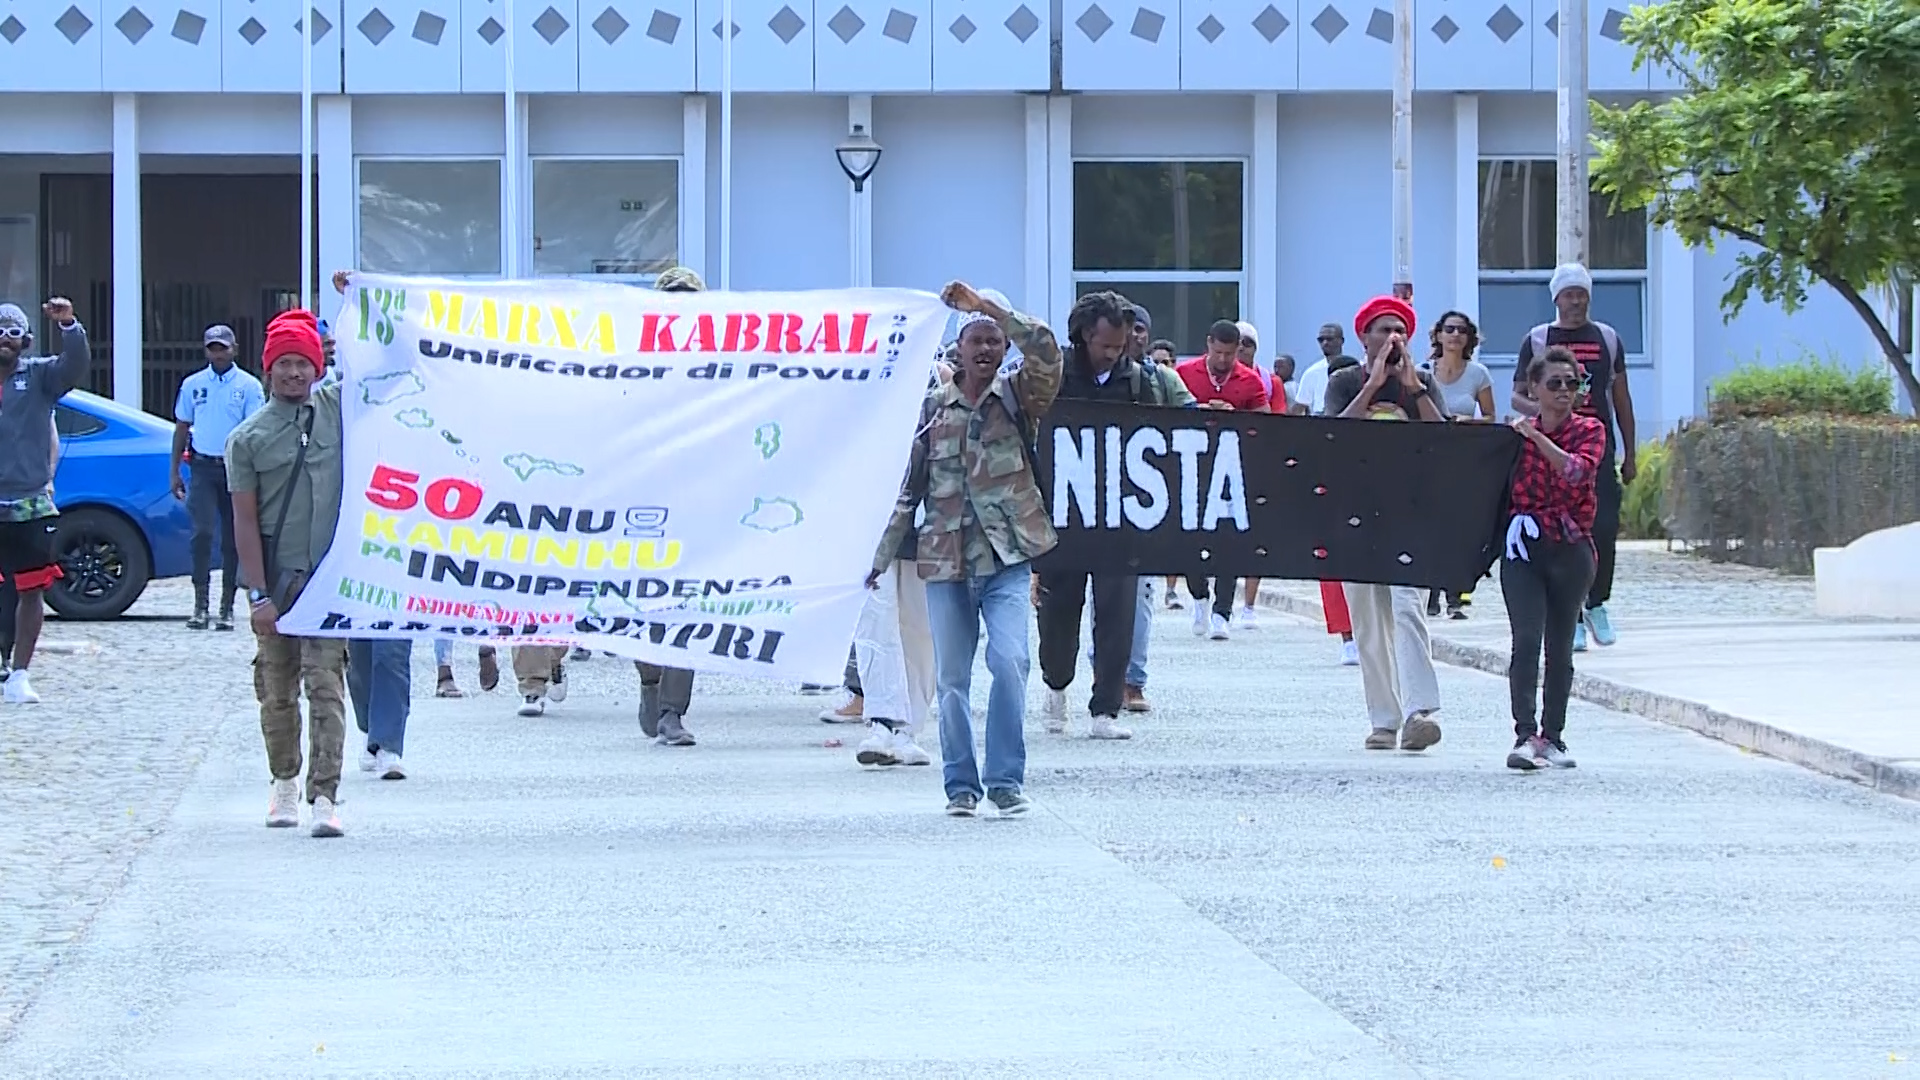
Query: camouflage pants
point(280, 665)
point(533, 667)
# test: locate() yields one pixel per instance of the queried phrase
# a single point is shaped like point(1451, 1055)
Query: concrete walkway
point(1240, 892)
point(1729, 651)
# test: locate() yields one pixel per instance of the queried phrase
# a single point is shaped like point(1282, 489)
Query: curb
point(1880, 774)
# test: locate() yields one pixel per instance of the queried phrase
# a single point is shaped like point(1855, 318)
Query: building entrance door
point(215, 248)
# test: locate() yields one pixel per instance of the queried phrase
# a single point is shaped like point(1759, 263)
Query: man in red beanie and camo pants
point(284, 470)
point(1389, 621)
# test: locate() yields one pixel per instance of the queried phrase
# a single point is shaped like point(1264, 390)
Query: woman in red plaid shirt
point(1549, 559)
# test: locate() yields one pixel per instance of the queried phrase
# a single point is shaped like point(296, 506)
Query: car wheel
point(105, 563)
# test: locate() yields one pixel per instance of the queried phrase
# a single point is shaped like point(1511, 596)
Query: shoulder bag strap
point(286, 499)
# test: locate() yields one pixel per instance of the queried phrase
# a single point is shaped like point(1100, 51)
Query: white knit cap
point(1568, 276)
point(1247, 330)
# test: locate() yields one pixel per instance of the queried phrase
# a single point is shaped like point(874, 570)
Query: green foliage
point(1768, 492)
point(1811, 387)
point(1642, 502)
point(1798, 134)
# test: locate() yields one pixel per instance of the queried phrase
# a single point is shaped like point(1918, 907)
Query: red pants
point(1333, 600)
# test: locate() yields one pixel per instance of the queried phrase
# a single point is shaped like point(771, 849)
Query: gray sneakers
point(1009, 803)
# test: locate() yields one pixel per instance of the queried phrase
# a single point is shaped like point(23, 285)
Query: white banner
point(697, 480)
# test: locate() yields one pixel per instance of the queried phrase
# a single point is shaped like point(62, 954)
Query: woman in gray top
point(1467, 387)
point(1464, 383)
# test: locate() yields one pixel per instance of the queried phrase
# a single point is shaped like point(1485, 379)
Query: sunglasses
point(1564, 383)
point(1454, 328)
point(13, 333)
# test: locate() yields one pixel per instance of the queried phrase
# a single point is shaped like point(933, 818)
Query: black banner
point(1141, 490)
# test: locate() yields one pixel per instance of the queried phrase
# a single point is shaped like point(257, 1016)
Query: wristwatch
point(256, 597)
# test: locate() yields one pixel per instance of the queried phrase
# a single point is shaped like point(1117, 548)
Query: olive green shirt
point(260, 455)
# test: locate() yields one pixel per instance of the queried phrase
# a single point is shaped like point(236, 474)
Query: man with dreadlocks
point(1097, 366)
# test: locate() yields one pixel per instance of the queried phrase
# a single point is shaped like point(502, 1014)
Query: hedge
point(1766, 492)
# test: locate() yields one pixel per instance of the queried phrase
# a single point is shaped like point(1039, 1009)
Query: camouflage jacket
point(970, 467)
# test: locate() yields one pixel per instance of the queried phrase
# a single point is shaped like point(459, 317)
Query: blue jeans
point(1142, 633)
point(380, 682)
point(955, 612)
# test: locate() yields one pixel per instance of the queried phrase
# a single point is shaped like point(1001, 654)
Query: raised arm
point(69, 369)
point(1037, 383)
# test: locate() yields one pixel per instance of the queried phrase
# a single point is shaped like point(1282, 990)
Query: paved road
point(1240, 892)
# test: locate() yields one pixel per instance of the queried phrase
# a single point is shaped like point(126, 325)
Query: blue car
point(120, 526)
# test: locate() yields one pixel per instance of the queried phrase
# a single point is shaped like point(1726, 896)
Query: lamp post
point(859, 155)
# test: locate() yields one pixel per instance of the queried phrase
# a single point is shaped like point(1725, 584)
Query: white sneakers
point(533, 705)
point(389, 766)
point(1218, 630)
point(1056, 711)
point(886, 746)
point(1248, 619)
point(19, 689)
point(326, 820)
point(1201, 614)
point(1104, 727)
point(1349, 654)
point(284, 811)
point(557, 686)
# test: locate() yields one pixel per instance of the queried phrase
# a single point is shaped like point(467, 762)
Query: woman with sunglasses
point(1549, 558)
point(1465, 383)
point(1467, 387)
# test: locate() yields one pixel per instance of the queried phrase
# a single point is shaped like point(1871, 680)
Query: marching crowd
point(964, 556)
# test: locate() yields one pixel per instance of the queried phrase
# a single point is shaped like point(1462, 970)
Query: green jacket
point(984, 510)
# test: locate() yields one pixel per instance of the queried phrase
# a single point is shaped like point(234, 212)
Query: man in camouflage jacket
point(985, 522)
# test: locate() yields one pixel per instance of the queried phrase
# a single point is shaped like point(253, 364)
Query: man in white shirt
point(1311, 396)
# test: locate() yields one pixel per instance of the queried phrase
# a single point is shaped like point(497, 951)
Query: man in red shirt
point(1219, 381)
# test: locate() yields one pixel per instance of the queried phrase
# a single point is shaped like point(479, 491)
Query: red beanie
point(1382, 305)
point(294, 333)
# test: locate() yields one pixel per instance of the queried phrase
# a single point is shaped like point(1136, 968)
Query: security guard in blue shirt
point(212, 403)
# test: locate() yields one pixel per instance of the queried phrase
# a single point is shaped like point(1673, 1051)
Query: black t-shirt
point(1345, 385)
point(1589, 347)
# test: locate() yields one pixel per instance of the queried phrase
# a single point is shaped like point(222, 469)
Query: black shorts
point(26, 553)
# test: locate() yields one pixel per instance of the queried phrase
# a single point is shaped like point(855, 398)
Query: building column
point(129, 300)
point(1035, 292)
point(1672, 288)
point(1059, 212)
point(516, 220)
point(1263, 277)
point(1466, 204)
point(337, 203)
point(860, 203)
point(693, 183)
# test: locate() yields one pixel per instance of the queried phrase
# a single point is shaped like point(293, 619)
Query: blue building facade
point(1211, 158)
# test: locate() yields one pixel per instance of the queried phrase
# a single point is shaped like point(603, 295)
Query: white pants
point(1396, 658)
point(893, 647)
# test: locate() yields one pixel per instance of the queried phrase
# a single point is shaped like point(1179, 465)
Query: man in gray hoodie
point(29, 388)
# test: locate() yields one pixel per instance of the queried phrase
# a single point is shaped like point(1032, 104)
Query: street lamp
point(858, 155)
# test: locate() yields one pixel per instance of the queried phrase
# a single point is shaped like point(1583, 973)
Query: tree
point(1799, 133)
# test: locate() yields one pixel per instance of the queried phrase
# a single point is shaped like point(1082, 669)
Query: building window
point(1169, 235)
point(603, 217)
point(1517, 233)
point(438, 216)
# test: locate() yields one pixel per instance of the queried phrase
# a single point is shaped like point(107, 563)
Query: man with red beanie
point(284, 470)
point(1390, 621)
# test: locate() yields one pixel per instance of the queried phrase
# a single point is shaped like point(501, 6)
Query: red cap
point(1382, 305)
point(295, 333)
